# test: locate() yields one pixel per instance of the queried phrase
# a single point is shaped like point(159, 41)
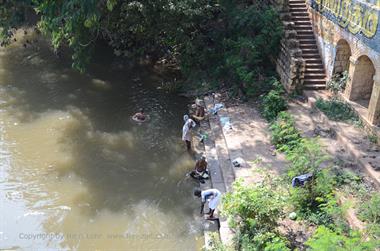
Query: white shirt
point(186, 132)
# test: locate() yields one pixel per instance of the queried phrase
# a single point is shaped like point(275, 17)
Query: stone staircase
point(314, 77)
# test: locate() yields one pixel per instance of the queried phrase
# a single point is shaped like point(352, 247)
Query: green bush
point(325, 239)
point(315, 201)
point(263, 242)
point(370, 210)
point(338, 111)
point(273, 102)
point(285, 135)
point(338, 82)
point(253, 211)
point(305, 157)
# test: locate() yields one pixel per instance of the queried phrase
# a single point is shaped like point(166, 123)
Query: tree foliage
point(229, 42)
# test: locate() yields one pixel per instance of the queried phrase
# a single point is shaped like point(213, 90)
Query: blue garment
point(216, 109)
point(301, 180)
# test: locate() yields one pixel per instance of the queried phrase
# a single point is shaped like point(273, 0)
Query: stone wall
point(290, 65)
point(348, 38)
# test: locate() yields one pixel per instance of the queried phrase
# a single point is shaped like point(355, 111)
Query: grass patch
point(338, 111)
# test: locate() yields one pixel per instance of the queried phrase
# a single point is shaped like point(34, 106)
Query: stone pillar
point(374, 103)
point(351, 75)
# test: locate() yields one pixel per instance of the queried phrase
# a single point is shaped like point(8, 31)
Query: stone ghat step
point(314, 76)
point(298, 5)
point(296, 1)
point(305, 32)
point(314, 87)
point(314, 82)
point(304, 22)
point(307, 41)
point(314, 70)
point(308, 47)
point(308, 50)
point(297, 9)
point(314, 66)
point(311, 56)
point(303, 27)
point(299, 14)
point(305, 36)
point(313, 60)
point(300, 18)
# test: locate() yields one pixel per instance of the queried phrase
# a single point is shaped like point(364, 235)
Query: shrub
point(253, 211)
point(325, 239)
point(370, 210)
point(337, 110)
point(263, 242)
point(315, 201)
point(285, 135)
point(273, 102)
point(338, 82)
point(307, 156)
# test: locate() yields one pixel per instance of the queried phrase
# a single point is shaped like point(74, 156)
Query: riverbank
point(247, 137)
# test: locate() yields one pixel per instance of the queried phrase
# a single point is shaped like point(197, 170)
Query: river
point(76, 173)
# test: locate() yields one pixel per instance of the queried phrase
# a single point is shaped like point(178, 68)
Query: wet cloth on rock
point(216, 108)
point(225, 122)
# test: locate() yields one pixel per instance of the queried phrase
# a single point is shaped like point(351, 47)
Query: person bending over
point(212, 196)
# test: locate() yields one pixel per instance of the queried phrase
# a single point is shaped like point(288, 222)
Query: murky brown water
point(76, 172)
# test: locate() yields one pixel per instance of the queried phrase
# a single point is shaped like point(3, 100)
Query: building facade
point(348, 38)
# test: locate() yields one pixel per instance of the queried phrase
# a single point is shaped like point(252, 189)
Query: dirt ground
point(241, 132)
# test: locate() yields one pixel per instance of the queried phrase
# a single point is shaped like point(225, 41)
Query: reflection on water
point(76, 171)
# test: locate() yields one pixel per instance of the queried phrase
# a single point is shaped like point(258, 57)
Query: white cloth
point(213, 196)
point(186, 132)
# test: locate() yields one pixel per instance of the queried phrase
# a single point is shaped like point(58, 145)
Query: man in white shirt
point(186, 131)
point(212, 196)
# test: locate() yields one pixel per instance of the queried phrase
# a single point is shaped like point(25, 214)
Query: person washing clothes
point(186, 131)
point(200, 171)
point(200, 112)
point(213, 197)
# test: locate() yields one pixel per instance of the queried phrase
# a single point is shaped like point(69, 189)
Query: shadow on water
point(120, 162)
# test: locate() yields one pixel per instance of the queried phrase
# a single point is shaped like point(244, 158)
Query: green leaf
point(111, 4)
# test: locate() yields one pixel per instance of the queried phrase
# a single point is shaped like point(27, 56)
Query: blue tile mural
point(360, 18)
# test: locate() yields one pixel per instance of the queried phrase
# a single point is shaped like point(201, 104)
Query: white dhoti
point(214, 202)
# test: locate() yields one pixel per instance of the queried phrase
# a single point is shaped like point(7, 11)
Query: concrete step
point(314, 86)
point(305, 36)
point(313, 60)
point(305, 32)
point(300, 18)
point(314, 76)
point(311, 56)
point(308, 47)
point(297, 5)
point(299, 14)
point(314, 81)
point(310, 51)
point(314, 66)
point(306, 22)
point(303, 27)
point(296, 2)
point(298, 8)
point(307, 41)
point(314, 70)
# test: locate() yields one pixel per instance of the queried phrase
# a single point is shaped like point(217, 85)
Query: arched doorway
point(362, 81)
point(342, 57)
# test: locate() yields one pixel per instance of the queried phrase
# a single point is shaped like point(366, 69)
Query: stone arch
point(362, 81)
point(342, 57)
